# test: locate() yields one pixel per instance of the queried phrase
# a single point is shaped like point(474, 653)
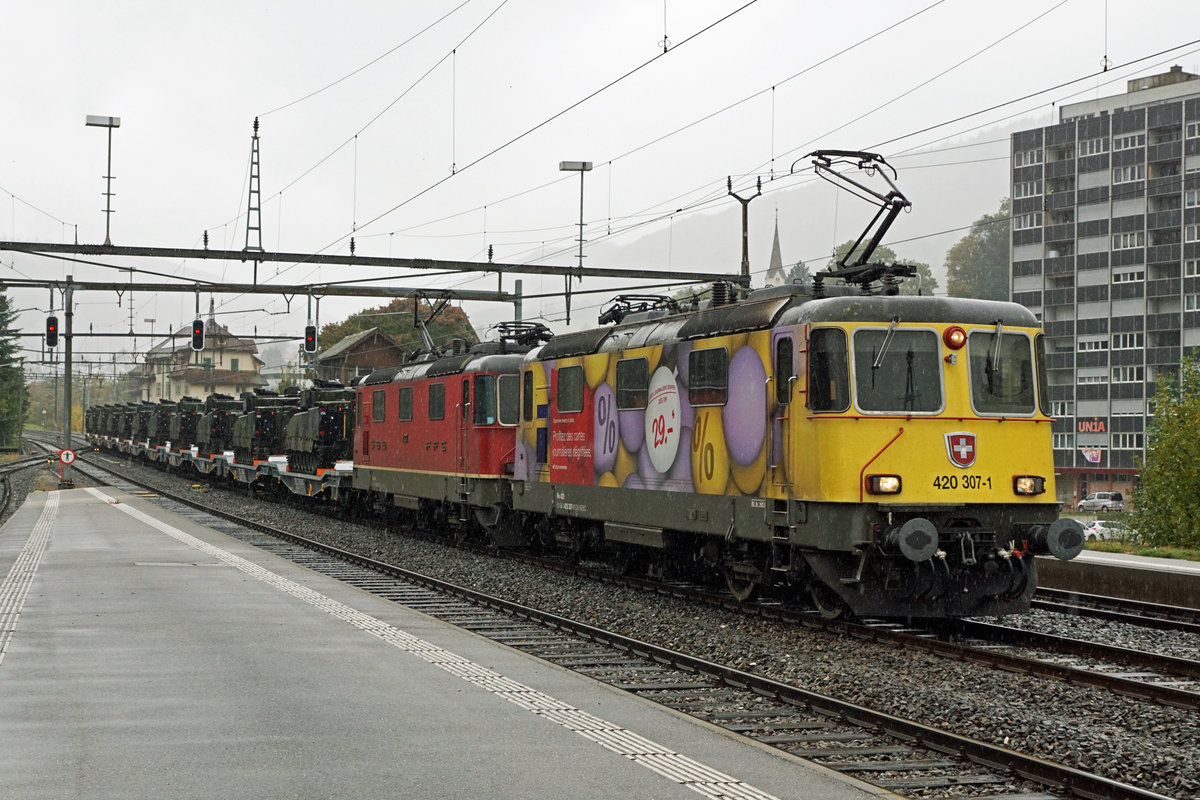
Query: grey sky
point(187, 80)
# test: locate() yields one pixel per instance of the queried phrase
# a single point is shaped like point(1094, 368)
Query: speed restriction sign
point(67, 457)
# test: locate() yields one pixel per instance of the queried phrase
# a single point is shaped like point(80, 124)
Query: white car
point(1109, 531)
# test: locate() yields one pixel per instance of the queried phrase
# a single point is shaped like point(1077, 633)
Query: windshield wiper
point(887, 341)
point(991, 366)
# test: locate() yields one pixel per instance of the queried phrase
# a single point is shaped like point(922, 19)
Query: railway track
point(1118, 609)
point(900, 755)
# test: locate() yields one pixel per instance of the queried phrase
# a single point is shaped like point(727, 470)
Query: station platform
point(1169, 581)
point(144, 655)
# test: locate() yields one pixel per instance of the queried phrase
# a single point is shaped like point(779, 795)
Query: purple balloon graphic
point(746, 413)
point(633, 428)
point(604, 419)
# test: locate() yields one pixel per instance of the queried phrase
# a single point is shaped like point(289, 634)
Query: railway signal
point(51, 331)
point(310, 338)
point(198, 335)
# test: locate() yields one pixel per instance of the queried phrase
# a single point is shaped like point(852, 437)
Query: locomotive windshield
point(828, 375)
point(1001, 372)
point(898, 370)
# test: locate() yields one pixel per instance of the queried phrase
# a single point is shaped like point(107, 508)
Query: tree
point(396, 319)
point(886, 255)
point(14, 401)
point(977, 266)
point(799, 273)
point(1168, 497)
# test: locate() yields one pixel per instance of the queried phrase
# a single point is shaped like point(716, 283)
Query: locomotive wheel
point(741, 585)
point(827, 602)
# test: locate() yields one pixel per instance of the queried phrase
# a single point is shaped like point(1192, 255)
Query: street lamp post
point(150, 361)
point(110, 123)
point(581, 167)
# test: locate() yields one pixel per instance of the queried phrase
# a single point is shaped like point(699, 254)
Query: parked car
point(1102, 501)
point(1109, 531)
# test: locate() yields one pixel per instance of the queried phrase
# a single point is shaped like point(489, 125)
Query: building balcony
point(1060, 297)
point(1058, 264)
point(1164, 219)
point(1060, 169)
point(1165, 151)
point(1059, 233)
point(1062, 199)
point(1166, 287)
point(1167, 184)
point(1162, 355)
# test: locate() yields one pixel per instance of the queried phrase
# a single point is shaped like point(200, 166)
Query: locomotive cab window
point(828, 370)
point(784, 371)
point(527, 396)
point(485, 400)
point(633, 383)
point(508, 390)
point(1039, 350)
point(1001, 372)
point(898, 370)
point(708, 371)
point(437, 401)
point(377, 406)
point(570, 390)
point(405, 404)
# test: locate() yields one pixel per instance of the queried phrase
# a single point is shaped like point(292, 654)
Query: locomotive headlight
point(1029, 484)
point(883, 484)
point(954, 337)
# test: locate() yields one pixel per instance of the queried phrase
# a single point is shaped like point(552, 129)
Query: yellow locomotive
point(886, 454)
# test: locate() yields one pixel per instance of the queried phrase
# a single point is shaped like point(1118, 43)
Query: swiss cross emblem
point(960, 448)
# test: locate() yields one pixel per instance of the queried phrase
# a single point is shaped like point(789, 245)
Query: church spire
point(775, 274)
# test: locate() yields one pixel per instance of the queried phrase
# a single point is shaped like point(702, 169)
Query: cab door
point(462, 426)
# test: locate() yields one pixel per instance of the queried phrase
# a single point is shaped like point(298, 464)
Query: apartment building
point(1106, 251)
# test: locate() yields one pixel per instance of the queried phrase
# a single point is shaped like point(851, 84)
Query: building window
point(233, 365)
point(1128, 341)
point(1062, 408)
point(1191, 302)
point(1087, 347)
point(1128, 441)
point(1191, 198)
point(1129, 276)
point(1022, 221)
point(1191, 233)
point(1193, 129)
point(1063, 441)
point(1025, 158)
point(1126, 142)
point(1128, 374)
point(1027, 188)
point(1092, 146)
point(1191, 268)
point(1085, 379)
point(1128, 241)
point(1134, 172)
